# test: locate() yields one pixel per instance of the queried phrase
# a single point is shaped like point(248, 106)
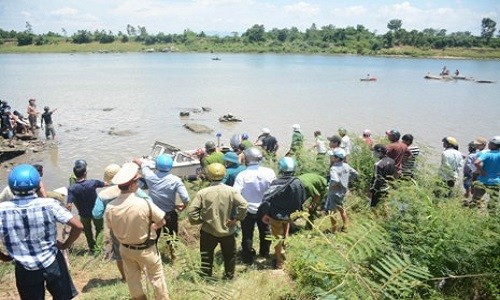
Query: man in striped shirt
point(28, 229)
point(409, 160)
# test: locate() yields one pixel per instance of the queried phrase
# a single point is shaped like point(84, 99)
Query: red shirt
point(396, 151)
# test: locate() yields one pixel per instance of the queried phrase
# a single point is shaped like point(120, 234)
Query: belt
point(142, 246)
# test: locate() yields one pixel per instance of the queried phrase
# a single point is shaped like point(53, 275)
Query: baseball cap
point(335, 139)
point(495, 140)
point(340, 153)
point(480, 141)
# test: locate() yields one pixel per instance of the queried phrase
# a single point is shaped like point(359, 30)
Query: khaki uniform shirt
point(213, 206)
point(128, 217)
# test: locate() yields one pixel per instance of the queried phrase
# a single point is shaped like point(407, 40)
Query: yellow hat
point(451, 140)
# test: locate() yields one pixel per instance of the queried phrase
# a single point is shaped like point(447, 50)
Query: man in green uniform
point(213, 156)
point(217, 208)
point(316, 188)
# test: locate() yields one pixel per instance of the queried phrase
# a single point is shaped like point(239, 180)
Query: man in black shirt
point(384, 171)
point(49, 126)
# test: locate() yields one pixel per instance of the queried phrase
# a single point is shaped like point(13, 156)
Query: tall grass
point(413, 246)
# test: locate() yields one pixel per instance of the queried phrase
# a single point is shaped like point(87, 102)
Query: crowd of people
point(13, 122)
point(138, 203)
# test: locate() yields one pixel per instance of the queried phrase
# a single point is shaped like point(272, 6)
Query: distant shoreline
point(135, 47)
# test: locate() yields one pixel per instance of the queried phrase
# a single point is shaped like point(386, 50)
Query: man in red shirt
point(397, 150)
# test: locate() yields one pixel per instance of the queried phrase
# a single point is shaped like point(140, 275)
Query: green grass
point(415, 245)
point(62, 46)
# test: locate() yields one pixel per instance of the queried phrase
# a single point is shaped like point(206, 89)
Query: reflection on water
point(147, 92)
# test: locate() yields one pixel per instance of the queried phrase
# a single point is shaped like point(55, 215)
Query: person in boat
point(445, 71)
point(457, 72)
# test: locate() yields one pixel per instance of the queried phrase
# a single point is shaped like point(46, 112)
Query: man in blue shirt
point(488, 166)
point(28, 229)
point(83, 194)
point(163, 188)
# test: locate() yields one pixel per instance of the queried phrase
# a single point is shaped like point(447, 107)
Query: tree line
point(350, 39)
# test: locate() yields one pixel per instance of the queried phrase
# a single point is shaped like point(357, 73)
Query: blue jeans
point(31, 284)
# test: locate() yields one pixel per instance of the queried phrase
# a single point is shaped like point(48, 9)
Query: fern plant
point(359, 265)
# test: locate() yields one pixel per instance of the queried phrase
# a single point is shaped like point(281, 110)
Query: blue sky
point(226, 16)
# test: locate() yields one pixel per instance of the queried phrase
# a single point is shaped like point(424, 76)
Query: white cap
point(126, 173)
point(296, 127)
point(266, 130)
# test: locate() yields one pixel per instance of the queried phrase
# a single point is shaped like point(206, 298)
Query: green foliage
point(359, 265)
point(24, 39)
point(82, 37)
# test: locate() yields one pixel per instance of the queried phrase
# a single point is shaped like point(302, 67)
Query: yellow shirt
point(128, 217)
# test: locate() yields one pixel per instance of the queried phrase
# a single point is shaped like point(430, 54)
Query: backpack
point(276, 190)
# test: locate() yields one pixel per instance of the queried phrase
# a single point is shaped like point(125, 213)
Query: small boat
point(216, 58)
point(438, 77)
point(184, 114)
point(485, 81)
point(368, 79)
point(229, 118)
point(185, 162)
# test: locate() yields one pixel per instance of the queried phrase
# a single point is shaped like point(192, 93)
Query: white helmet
point(266, 130)
point(296, 127)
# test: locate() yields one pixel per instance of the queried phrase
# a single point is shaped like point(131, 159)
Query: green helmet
point(216, 171)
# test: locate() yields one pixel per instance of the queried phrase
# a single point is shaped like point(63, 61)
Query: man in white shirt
point(252, 183)
point(451, 163)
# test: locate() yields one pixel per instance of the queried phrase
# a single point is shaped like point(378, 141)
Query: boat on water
point(438, 77)
point(368, 79)
point(216, 58)
point(186, 162)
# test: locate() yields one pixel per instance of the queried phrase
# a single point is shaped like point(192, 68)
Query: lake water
point(148, 90)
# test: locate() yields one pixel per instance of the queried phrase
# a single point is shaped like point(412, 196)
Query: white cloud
point(350, 12)
point(26, 14)
point(65, 11)
point(302, 8)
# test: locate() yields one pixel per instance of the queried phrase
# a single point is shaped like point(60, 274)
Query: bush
point(24, 39)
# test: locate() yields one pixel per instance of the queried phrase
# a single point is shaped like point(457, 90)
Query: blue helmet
point(164, 163)
point(24, 179)
point(287, 165)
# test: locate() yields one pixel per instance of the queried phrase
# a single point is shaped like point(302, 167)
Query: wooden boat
point(368, 79)
point(185, 162)
point(438, 77)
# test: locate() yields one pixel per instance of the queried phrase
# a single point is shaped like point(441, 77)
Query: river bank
point(134, 47)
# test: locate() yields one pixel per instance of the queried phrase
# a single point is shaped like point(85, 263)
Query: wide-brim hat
point(109, 193)
point(126, 174)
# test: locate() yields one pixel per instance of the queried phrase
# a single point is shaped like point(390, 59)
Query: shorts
point(49, 130)
point(334, 201)
point(279, 227)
